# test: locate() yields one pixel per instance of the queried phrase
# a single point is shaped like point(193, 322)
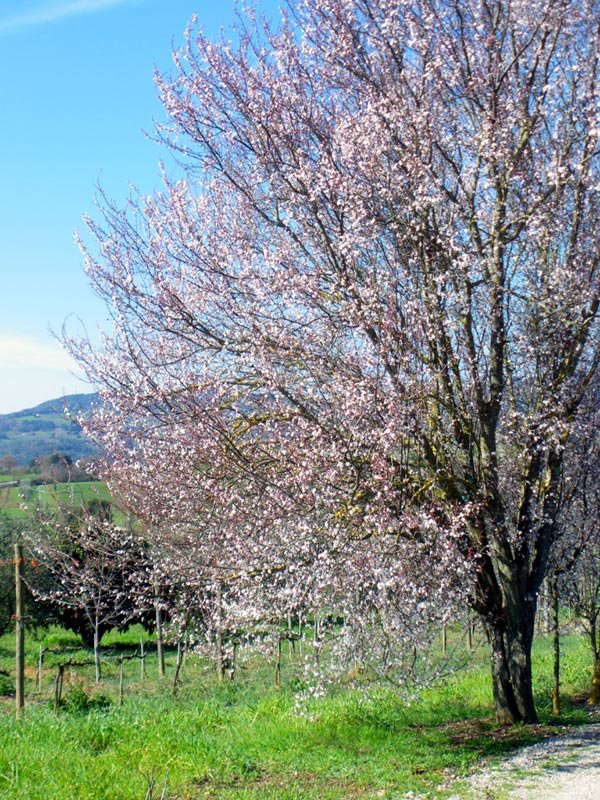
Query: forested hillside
point(46, 428)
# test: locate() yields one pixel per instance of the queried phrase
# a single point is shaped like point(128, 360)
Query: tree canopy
point(363, 326)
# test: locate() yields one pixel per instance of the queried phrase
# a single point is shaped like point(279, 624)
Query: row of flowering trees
point(356, 343)
point(92, 575)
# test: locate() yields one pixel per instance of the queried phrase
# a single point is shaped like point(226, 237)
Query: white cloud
point(16, 351)
point(40, 14)
point(32, 372)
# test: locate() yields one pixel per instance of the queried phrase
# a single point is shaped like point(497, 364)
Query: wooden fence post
point(58, 687)
point(19, 633)
point(178, 665)
point(142, 659)
point(160, 651)
point(120, 681)
point(278, 664)
point(40, 667)
point(317, 640)
point(219, 643)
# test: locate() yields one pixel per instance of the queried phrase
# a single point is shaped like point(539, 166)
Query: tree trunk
point(510, 640)
point(507, 711)
point(97, 653)
point(508, 616)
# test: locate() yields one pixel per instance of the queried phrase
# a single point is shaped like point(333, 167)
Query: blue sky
point(77, 94)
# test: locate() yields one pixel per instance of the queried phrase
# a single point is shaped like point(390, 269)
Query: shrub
point(78, 701)
point(7, 685)
point(58, 638)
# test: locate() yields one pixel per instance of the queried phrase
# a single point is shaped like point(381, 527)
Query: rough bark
point(507, 711)
point(511, 671)
point(506, 604)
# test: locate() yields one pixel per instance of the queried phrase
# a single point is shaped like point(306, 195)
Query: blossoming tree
point(92, 570)
point(368, 312)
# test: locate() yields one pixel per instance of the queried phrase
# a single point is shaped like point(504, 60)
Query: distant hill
point(46, 429)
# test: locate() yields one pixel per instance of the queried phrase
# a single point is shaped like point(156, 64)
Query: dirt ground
point(565, 767)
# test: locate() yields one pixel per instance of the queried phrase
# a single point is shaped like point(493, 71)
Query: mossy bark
point(508, 615)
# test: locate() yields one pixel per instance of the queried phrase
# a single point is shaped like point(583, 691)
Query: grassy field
point(76, 495)
point(10, 501)
point(9, 476)
point(247, 739)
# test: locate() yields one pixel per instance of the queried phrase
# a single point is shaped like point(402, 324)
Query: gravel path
point(566, 767)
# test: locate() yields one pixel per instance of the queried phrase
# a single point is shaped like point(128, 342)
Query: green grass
point(10, 501)
point(233, 745)
point(55, 495)
point(18, 476)
point(70, 494)
point(248, 740)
